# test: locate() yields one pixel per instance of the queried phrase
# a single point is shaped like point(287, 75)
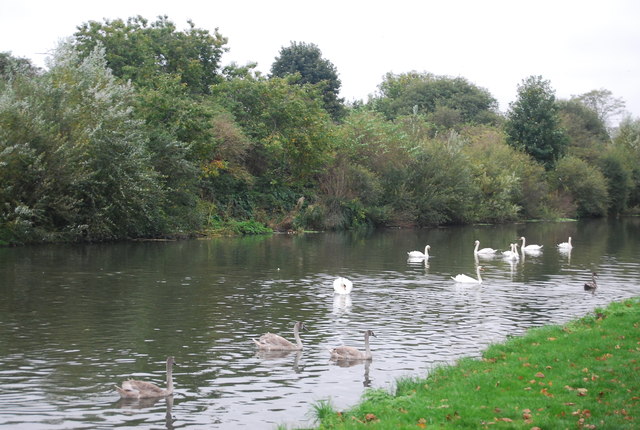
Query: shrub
point(585, 184)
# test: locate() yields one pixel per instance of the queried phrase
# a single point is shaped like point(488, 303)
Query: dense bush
point(584, 184)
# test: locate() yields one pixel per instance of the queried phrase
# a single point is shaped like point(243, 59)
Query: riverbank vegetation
point(583, 375)
point(136, 130)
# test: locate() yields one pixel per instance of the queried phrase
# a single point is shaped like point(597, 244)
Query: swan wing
point(342, 285)
point(346, 353)
point(145, 389)
point(487, 251)
point(273, 341)
point(464, 279)
point(415, 254)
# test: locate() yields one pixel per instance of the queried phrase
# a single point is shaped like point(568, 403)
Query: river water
point(75, 320)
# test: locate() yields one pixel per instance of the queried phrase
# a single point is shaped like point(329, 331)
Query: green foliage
point(587, 134)
point(139, 51)
point(441, 185)
point(291, 133)
point(602, 103)
point(448, 100)
point(584, 184)
point(628, 140)
point(619, 180)
point(86, 169)
point(11, 67)
point(533, 122)
point(305, 60)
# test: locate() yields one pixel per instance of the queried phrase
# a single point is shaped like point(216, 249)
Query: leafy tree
point(441, 194)
point(448, 99)
point(290, 131)
point(305, 59)
point(627, 139)
point(139, 51)
point(584, 184)
point(11, 66)
point(619, 182)
point(587, 134)
point(533, 122)
point(86, 169)
point(510, 183)
point(602, 103)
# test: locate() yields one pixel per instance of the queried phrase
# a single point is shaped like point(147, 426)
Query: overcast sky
point(578, 45)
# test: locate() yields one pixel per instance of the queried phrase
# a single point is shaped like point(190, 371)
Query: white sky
point(578, 45)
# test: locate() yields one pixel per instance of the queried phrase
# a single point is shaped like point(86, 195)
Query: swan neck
point(169, 377)
point(478, 272)
point(367, 351)
point(296, 335)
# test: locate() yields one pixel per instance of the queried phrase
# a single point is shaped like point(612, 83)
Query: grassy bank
point(585, 374)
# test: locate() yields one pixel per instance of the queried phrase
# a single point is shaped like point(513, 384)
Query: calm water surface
point(77, 320)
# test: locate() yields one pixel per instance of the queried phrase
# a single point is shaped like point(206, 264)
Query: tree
point(306, 60)
point(291, 133)
point(533, 122)
point(602, 103)
point(584, 184)
point(441, 97)
point(627, 139)
point(138, 51)
point(587, 134)
point(11, 66)
point(80, 168)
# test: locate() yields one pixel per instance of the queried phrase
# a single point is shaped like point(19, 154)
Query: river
point(75, 320)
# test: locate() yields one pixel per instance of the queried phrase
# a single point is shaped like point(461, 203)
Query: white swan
point(351, 353)
point(418, 254)
point(134, 389)
point(342, 285)
point(483, 251)
point(464, 279)
point(512, 254)
point(565, 245)
point(533, 248)
point(274, 342)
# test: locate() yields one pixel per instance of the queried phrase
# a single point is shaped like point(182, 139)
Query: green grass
point(583, 375)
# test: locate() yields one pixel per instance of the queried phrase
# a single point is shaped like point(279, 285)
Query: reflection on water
point(77, 320)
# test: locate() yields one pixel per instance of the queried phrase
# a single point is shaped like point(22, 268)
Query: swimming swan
point(591, 286)
point(565, 245)
point(351, 353)
point(133, 389)
point(513, 253)
point(418, 254)
point(483, 251)
point(274, 342)
point(468, 279)
point(525, 247)
point(342, 285)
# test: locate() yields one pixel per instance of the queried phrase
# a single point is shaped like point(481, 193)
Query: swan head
point(477, 242)
point(369, 333)
point(300, 326)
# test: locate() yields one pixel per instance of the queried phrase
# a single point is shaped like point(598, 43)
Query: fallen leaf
point(546, 392)
point(551, 339)
point(370, 417)
point(539, 375)
point(582, 392)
